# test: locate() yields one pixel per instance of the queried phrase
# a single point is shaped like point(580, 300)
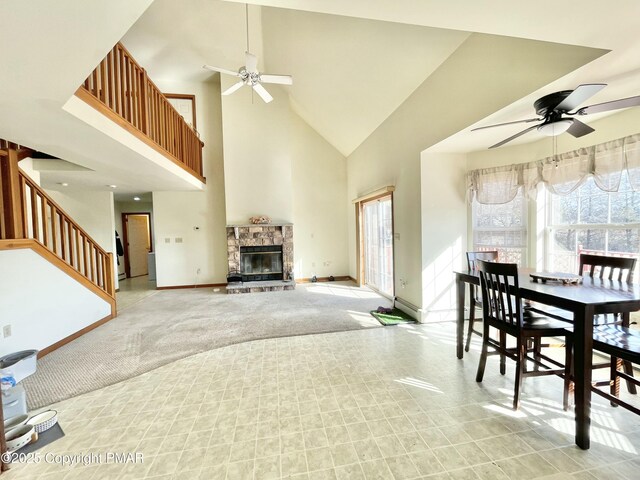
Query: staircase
point(31, 219)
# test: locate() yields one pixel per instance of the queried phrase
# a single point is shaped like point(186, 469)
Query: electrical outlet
point(198, 271)
point(6, 331)
point(178, 240)
point(313, 264)
point(167, 240)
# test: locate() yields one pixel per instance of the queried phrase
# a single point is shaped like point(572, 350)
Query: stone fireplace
point(261, 256)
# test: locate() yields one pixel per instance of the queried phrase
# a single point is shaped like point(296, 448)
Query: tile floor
point(388, 403)
point(132, 290)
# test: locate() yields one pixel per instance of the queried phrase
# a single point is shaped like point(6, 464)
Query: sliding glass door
point(377, 243)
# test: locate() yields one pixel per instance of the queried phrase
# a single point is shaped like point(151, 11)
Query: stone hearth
point(258, 235)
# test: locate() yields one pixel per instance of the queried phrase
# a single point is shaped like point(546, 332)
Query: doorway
point(137, 243)
point(376, 244)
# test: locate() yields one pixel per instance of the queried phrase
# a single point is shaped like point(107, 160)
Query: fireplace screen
point(261, 263)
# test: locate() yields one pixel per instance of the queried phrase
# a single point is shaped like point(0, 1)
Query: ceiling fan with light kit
point(556, 112)
point(249, 74)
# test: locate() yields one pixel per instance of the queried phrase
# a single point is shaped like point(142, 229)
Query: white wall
point(274, 164)
point(42, 303)
point(257, 155)
point(319, 174)
point(27, 167)
point(462, 91)
point(177, 214)
point(93, 211)
point(444, 234)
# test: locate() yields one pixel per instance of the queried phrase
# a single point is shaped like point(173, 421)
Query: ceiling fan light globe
point(556, 128)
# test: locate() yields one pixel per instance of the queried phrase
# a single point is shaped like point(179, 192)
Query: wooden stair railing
point(28, 212)
point(121, 89)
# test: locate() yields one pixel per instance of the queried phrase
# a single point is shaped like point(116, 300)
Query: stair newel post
point(12, 205)
point(109, 276)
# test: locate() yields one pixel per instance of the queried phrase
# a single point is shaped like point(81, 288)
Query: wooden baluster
point(103, 82)
point(126, 110)
point(129, 116)
point(11, 186)
point(45, 222)
point(34, 214)
point(78, 259)
point(110, 78)
point(63, 238)
point(118, 79)
point(94, 83)
point(85, 260)
point(70, 236)
point(144, 102)
point(92, 261)
point(54, 232)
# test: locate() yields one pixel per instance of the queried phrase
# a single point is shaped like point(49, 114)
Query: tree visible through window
point(502, 227)
point(590, 220)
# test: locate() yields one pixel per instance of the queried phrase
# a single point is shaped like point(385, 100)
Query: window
point(502, 227)
point(590, 220)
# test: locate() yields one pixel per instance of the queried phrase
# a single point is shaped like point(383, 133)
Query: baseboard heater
point(408, 307)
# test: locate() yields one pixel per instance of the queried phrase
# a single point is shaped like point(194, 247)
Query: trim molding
point(380, 192)
point(90, 100)
point(341, 278)
point(353, 279)
point(73, 336)
point(201, 285)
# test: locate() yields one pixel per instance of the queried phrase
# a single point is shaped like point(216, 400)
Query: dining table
point(582, 301)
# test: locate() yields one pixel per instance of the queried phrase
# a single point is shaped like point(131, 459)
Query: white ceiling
point(354, 62)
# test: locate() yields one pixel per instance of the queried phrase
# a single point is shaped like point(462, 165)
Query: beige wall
point(198, 218)
point(277, 165)
point(461, 92)
point(257, 155)
point(444, 231)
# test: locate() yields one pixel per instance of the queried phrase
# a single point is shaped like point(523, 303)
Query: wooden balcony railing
point(28, 213)
point(121, 89)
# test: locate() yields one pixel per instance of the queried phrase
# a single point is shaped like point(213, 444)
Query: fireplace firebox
point(261, 263)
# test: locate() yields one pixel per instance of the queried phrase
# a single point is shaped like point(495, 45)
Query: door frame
point(125, 240)
point(359, 205)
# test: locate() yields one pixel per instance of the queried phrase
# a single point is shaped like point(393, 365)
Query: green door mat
point(394, 318)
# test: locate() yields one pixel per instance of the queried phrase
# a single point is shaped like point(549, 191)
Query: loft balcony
point(121, 90)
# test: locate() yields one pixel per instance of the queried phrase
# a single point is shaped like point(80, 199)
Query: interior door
point(377, 219)
point(138, 244)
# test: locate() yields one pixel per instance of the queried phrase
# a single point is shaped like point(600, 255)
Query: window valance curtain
point(562, 173)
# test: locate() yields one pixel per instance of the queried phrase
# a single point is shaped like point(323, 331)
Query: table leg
point(583, 351)
point(460, 288)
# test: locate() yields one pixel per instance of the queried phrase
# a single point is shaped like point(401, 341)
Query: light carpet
point(174, 324)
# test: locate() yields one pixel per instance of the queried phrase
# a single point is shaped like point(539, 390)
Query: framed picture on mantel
point(185, 104)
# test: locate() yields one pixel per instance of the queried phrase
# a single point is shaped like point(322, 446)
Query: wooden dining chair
point(621, 344)
point(614, 269)
point(474, 297)
point(502, 308)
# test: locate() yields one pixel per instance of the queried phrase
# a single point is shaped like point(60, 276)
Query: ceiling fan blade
point(507, 123)
point(513, 137)
point(221, 70)
point(280, 79)
point(580, 95)
point(251, 62)
point(579, 129)
point(233, 88)
point(613, 105)
point(264, 95)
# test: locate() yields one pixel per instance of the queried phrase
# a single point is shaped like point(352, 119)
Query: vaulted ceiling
point(355, 62)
